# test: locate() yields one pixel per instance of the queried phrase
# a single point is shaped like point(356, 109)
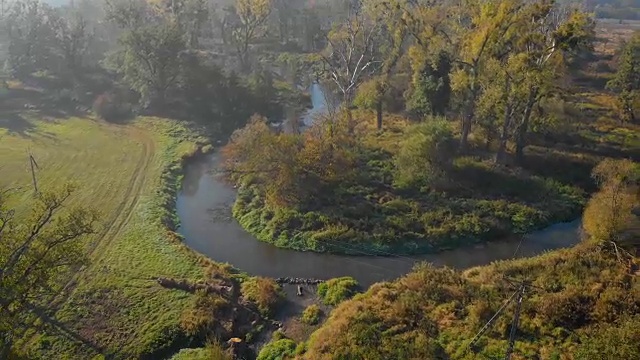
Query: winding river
point(204, 208)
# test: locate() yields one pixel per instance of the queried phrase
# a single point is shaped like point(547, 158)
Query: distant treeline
point(614, 9)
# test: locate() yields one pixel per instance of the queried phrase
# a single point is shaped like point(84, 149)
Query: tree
point(351, 56)
point(35, 253)
point(286, 14)
point(551, 33)
point(151, 49)
point(626, 81)
point(28, 26)
point(371, 96)
point(390, 43)
point(225, 20)
point(266, 98)
point(522, 65)
point(209, 95)
point(488, 23)
point(610, 211)
point(430, 91)
point(72, 43)
point(191, 15)
point(251, 25)
point(311, 32)
point(269, 159)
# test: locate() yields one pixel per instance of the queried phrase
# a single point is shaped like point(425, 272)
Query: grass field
point(128, 173)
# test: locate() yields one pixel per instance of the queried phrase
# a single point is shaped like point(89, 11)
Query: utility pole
point(516, 321)
point(518, 295)
point(33, 163)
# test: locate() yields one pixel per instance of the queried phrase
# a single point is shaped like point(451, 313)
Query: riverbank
point(580, 301)
point(368, 213)
point(207, 226)
point(115, 307)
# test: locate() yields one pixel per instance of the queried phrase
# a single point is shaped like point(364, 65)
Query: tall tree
point(352, 55)
point(551, 33)
point(151, 47)
point(35, 252)
point(484, 28)
point(73, 38)
point(251, 25)
point(191, 15)
point(391, 42)
point(626, 82)
point(430, 90)
point(28, 26)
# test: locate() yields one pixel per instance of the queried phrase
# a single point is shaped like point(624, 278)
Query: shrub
point(109, 108)
point(277, 335)
point(424, 154)
point(610, 211)
point(278, 350)
point(301, 348)
point(264, 292)
point(311, 315)
point(571, 308)
point(620, 341)
point(337, 290)
point(200, 317)
point(613, 303)
point(213, 351)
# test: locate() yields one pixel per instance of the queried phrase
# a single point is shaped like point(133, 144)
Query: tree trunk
point(506, 123)
point(379, 115)
point(347, 108)
point(467, 119)
point(492, 134)
point(521, 137)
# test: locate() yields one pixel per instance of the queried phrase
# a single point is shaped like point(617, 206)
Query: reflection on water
point(208, 228)
point(190, 183)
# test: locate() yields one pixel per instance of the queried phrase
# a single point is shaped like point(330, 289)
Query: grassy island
point(369, 211)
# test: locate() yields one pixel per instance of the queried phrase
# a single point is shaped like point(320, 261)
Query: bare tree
point(351, 56)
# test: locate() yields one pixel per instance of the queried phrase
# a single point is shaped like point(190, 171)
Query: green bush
point(424, 154)
point(337, 290)
point(311, 315)
point(213, 351)
point(619, 341)
point(278, 350)
point(264, 292)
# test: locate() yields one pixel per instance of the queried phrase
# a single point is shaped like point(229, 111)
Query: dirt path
point(122, 215)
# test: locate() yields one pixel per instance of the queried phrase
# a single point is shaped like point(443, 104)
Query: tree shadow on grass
point(62, 329)
point(19, 101)
point(571, 158)
point(16, 124)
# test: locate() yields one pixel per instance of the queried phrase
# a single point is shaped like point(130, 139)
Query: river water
point(204, 208)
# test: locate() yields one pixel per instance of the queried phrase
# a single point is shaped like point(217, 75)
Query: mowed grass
point(82, 151)
point(129, 173)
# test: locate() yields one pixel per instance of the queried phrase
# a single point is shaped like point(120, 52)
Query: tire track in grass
point(122, 214)
point(126, 209)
